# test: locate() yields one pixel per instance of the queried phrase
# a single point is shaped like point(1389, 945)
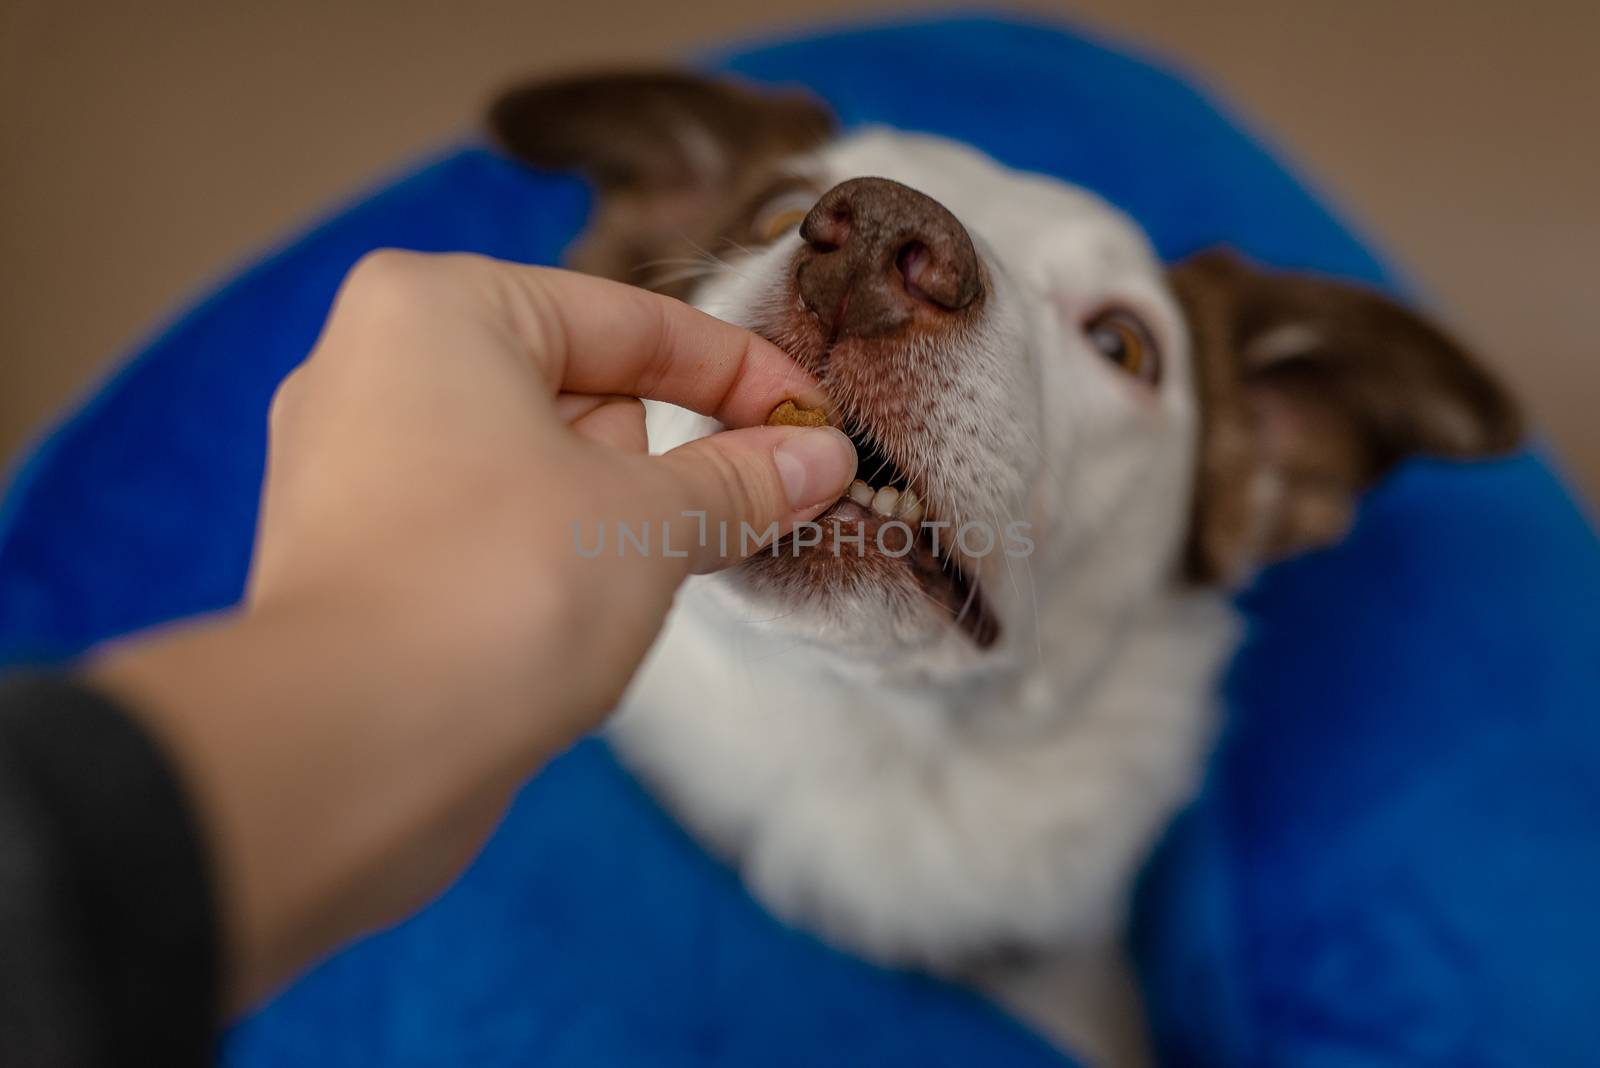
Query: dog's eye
point(782, 213)
point(1123, 339)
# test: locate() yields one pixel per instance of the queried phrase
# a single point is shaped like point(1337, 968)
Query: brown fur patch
point(1310, 390)
point(680, 161)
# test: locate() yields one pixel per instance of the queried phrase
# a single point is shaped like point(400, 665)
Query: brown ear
point(671, 154)
point(1310, 390)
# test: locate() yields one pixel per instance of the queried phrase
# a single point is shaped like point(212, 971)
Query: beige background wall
point(149, 147)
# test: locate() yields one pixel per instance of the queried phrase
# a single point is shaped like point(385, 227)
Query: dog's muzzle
point(879, 255)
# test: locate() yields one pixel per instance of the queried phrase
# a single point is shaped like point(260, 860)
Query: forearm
point(344, 758)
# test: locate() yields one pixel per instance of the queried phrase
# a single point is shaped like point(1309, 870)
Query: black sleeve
point(108, 932)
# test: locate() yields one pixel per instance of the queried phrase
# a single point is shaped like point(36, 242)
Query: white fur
point(883, 781)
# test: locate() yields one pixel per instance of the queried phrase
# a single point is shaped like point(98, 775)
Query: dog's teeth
point(861, 493)
point(911, 509)
point(884, 500)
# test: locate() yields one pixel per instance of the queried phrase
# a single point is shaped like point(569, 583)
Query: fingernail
point(815, 465)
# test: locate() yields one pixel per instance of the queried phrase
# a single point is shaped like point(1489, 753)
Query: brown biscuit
point(790, 414)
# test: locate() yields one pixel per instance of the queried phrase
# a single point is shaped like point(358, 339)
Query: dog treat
point(790, 414)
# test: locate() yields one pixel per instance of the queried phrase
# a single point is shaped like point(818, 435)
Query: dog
point(955, 757)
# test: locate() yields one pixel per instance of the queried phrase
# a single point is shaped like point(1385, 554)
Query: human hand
point(459, 416)
point(420, 632)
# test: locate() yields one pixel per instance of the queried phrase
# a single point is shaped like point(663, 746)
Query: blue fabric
point(1394, 859)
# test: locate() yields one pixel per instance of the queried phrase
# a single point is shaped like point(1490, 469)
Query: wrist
point(345, 760)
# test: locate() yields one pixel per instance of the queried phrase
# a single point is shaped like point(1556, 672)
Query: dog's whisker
point(713, 257)
point(675, 261)
point(681, 275)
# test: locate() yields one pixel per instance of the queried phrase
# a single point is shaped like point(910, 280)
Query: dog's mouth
point(886, 516)
point(899, 530)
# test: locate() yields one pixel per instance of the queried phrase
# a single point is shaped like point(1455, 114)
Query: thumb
point(757, 481)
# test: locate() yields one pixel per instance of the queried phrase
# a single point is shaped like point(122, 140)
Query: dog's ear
point(1311, 389)
point(670, 153)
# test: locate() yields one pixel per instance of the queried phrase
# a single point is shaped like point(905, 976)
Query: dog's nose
point(878, 253)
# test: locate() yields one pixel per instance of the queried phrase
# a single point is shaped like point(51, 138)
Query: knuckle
point(395, 285)
point(738, 482)
point(383, 269)
point(659, 366)
point(283, 399)
point(392, 282)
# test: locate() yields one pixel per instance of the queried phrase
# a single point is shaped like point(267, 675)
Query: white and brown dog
point(956, 756)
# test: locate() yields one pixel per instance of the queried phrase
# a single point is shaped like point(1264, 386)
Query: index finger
point(590, 335)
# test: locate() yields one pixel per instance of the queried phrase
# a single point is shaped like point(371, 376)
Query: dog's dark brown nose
point(878, 253)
